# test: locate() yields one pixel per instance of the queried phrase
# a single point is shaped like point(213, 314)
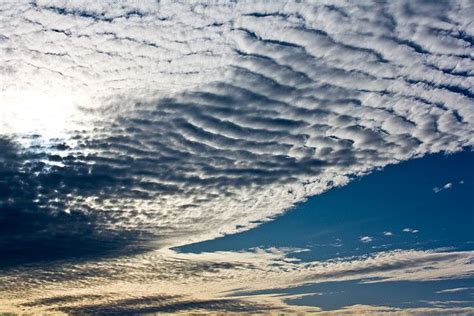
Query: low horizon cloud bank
point(166, 281)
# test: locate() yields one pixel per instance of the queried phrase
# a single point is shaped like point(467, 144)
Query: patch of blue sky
point(400, 294)
point(424, 203)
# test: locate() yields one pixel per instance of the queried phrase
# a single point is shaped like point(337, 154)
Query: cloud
point(448, 185)
point(366, 239)
point(233, 281)
point(387, 233)
point(198, 121)
point(453, 290)
point(175, 123)
point(376, 310)
point(410, 230)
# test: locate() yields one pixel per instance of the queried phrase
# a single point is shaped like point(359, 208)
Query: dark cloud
point(33, 223)
point(156, 304)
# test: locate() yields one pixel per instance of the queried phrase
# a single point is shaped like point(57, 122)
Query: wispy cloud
point(454, 290)
point(175, 281)
point(448, 185)
point(366, 239)
point(410, 230)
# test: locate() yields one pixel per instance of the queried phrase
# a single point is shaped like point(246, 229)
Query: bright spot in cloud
point(48, 114)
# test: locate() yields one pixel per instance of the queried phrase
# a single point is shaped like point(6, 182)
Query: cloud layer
point(204, 120)
point(165, 281)
point(137, 126)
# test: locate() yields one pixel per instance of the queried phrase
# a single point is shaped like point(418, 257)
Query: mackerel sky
point(149, 148)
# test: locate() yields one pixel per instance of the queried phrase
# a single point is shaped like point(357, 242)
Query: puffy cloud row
point(203, 120)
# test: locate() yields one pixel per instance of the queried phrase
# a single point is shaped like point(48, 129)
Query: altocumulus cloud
point(198, 120)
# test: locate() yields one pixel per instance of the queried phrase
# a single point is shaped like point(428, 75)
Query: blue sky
point(401, 200)
point(390, 200)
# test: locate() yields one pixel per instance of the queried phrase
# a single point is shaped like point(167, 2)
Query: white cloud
point(410, 230)
point(453, 290)
point(387, 233)
point(448, 185)
point(366, 239)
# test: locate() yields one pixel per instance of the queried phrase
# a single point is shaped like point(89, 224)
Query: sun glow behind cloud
point(48, 114)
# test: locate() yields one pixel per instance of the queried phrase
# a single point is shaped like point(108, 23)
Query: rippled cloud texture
point(176, 123)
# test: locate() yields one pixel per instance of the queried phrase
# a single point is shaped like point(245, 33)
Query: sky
point(348, 222)
point(236, 157)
